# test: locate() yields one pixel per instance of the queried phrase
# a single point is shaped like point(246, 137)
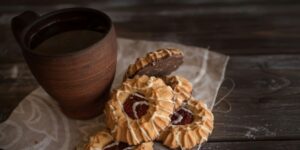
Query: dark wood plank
point(257, 145)
point(137, 2)
point(238, 27)
point(264, 103)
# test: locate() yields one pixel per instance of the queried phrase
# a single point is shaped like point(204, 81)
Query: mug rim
point(61, 11)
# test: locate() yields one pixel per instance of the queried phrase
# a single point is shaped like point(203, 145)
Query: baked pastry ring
point(182, 88)
point(157, 63)
point(104, 141)
point(191, 125)
point(139, 110)
point(145, 146)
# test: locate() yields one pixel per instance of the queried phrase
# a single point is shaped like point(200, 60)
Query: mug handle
point(20, 22)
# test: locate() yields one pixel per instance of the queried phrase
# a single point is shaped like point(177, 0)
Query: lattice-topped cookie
point(103, 140)
point(191, 125)
point(182, 88)
point(157, 63)
point(139, 110)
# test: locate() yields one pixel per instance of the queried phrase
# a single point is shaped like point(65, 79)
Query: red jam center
point(182, 116)
point(118, 146)
point(135, 106)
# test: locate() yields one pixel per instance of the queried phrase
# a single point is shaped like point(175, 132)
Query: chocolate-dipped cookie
point(157, 63)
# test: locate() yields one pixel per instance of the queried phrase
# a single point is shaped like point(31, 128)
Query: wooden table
point(262, 37)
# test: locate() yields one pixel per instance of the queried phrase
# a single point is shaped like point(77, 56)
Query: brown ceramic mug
point(80, 80)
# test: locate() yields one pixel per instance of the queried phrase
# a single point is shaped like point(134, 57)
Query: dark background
point(261, 36)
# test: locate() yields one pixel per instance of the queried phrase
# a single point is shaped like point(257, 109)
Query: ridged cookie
point(191, 125)
point(103, 140)
point(139, 110)
point(182, 89)
point(157, 63)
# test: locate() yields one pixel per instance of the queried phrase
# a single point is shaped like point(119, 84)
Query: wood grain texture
point(264, 102)
point(235, 27)
point(262, 110)
point(145, 2)
point(257, 145)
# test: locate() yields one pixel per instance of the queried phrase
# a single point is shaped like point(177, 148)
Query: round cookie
point(157, 63)
point(145, 146)
point(99, 140)
point(139, 110)
point(104, 141)
point(182, 89)
point(191, 125)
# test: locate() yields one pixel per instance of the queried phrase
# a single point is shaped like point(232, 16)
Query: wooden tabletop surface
point(262, 37)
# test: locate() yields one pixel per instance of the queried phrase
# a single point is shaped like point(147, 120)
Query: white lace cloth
point(38, 124)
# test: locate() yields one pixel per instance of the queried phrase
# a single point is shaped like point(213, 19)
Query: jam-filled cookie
point(104, 141)
point(182, 88)
point(191, 125)
point(139, 110)
point(157, 63)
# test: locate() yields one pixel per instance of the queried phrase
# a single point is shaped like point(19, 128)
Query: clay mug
point(80, 80)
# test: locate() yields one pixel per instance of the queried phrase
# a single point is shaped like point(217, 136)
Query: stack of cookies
point(152, 106)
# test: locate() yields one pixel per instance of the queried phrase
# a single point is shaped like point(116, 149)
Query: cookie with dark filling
point(157, 63)
point(139, 110)
point(191, 124)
